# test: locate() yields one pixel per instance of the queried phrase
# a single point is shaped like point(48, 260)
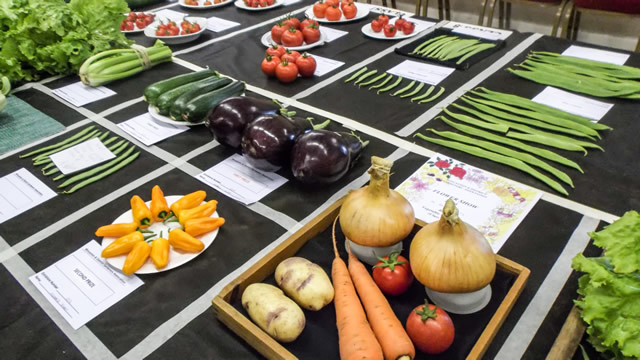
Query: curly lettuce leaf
point(621, 241)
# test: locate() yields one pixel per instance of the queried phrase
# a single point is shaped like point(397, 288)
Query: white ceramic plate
point(135, 28)
point(242, 5)
point(368, 31)
point(176, 257)
point(266, 41)
point(363, 11)
point(168, 120)
point(204, 7)
point(150, 31)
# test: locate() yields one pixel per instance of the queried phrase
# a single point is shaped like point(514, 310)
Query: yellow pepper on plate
point(140, 212)
point(188, 201)
point(183, 241)
point(195, 227)
point(160, 252)
point(136, 257)
point(159, 208)
point(204, 210)
point(122, 245)
point(117, 230)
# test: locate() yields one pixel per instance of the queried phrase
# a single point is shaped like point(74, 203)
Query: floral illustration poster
point(492, 204)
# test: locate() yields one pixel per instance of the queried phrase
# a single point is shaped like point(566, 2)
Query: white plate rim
point(240, 4)
point(375, 35)
point(363, 11)
point(266, 38)
point(148, 267)
point(168, 39)
point(202, 7)
point(168, 120)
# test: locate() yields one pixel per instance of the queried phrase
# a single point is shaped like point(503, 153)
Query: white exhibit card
point(79, 94)
point(386, 11)
point(419, 71)
point(325, 65)
point(477, 31)
point(237, 179)
point(149, 131)
point(332, 34)
point(291, 2)
point(82, 285)
point(167, 14)
point(596, 54)
point(572, 103)
point(79, 157)
point(21, 191)
point(492, 204)
point(217, 24)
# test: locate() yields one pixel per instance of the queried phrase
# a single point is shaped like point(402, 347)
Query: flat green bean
point(476, 49)
point(391, 86)
point(431, 49)
point(620, 71)
point(56, 145)
point(404, 89)
point(433, 44)
point(426, 93)
point(425, 43)
point(548, 141)
point(93, 179)
point(97, 169)
point(356, 74)
point(479, 123)
point(462, 49)
point(369, 82)
point(110, 140)
point(383, 83)
point(414, 91)
point(435, 96)
point(365, 76)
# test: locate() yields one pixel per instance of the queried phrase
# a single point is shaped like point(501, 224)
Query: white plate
point(135, 28)
point(367, 30)
point(242, 5)
point(168, 120)
point(203, 7)
point(176, 257)
point(266, 41)
point(150, 31)
point(363, 11)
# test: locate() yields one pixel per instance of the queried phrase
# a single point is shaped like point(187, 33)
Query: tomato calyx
point(426, 313)
point(391, 261)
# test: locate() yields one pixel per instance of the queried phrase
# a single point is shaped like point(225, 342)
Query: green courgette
point(198, 108)
point(166, 100)
point(199, 88)
point(153, 91)
point(134, 4)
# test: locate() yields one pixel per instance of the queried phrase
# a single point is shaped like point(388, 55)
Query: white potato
point(305, 282)
point(275, 313)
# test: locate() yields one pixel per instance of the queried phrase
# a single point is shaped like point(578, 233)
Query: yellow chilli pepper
point(195, 227)
point(159, 207)
point(136, 257)
point(183, 241)
point(160, 252)
point(122, 245)
point(204, 210)
point(140, 212)
point(188, 201)
point(116, 230)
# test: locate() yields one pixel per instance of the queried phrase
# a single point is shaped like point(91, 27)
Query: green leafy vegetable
point(622, 241)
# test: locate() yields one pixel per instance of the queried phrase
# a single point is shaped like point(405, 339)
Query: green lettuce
point(622, 242)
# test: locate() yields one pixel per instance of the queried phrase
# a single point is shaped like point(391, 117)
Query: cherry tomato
point(217, 1)
point(185, 32)
point(270, 2)
point(208, 3)
point(390, 30)
point(276, 32)
point(174, 31)
point(332, 2)
point(377, 25)
point(131, 16)
point(393, 274)
point(162, 32)
point(306, 22)
point(408, 27)
point(306, 65)
point(195, 28)
point(269, 65)
point(140, 23)
point(430, 330)
point(333, 13)
point(384, 19)
point(319, 9)
point(292, 37)
point(148, 18)
point(185, 24)
point(128, 26)
point(276, 50)
point(311, 33)
point(262, 3)
point(286, 72)
point(162, 27)
point(291, 22)
point(122, 24)
point(350, 11)
point(345, 3)
point(399, 22)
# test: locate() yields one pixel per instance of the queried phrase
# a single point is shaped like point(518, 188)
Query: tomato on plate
point(207, 3)
point(306, 22)
point(377, 25)
point(306, 65)
point(408, 27)
point(393, 274)
point(399, 22)
point(290, 56)
point(276, 32)
point(292, 37)
point(333, 13)
point(390, 30)
point(430, 328)
point(311, 33)
point(384, 19)
point(269, 65)
point(291, 21)
point(276, 50)
point(345, 3)
point(195, 28)
point(350, 11)
point(332, 2)
point(286, 71)
point(319, 9)
point(128, 26)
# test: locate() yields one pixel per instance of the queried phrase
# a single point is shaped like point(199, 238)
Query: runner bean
point(437, 95)
point(426, 93)
point(383, 83)
point(404, 89)
point(391, 86)
point(365, 76)
point(369, 82)
point(414, 91)
point(356, 74)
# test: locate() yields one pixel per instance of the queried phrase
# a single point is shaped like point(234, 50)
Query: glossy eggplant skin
point(267, 141)
point(323, 157)
point(229, 118)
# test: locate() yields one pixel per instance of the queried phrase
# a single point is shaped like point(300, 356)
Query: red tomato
point(122, 24)
point(390, 30)
point(132, 16)
point(262, 3)
point(430, 330)
point(194, 28)
point(185, 24)
point(350, 11)
point(292, 37)
point(162, 32)
point(306, 22)
point(408, 27)
point(173, 31)
point(332, 2)
point(377, 25)
point(286, 72)
point(291, 22)
point(269, 65)
point(393, 274)
point(276, 32)
point(208, 3)
point(290, 56)
point(148, 19)
point(333, 13)
point(128, 26)
point(306, 65)
point(399, 22)
point(319, 9)
point(270, 2)
point(276, 50)
point(311, 33)
point(384, 19)
point(345, 3)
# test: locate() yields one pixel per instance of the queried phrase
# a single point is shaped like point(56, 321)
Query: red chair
point(504, 18)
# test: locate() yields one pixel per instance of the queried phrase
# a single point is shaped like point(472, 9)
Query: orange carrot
point(396, 344)
point(357, 341)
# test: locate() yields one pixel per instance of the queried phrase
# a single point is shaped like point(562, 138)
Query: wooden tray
point(569, 337)
point(265, 267)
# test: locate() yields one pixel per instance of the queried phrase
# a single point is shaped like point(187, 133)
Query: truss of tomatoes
point(172, 29)
point(333, 10)
point(292, 32)
point(285, 65)
point(136, 21)
point(258, 3)
point(206, 3)
point(381, 23)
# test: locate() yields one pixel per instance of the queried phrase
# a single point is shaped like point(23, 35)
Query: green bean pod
point(435, 96)
point(93, 179)
point(414, 91)
point(88, 136)
point(404, 89)
point(476, 49)
point(365, 76)
point(55, 146)
point(383, 83)
point(369, 82)
point(425, 43)
point(479, 123)
point(424, 95)
point(545, 140)
point(356, 74)
point(98, 169)
point(391, 86)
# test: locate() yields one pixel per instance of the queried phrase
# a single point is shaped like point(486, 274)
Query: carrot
point(396, 344)
point(357, 341)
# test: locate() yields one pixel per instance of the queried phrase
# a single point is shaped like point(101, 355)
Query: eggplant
point(229, 118)
point(267, 141)
point(323, 157)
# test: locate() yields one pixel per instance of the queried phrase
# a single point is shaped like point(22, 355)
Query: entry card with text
point(572, 103)
point(492, 204)
point(596, 54)
point(477, 31)
point(79, 94)
point(150, 131)
point(82, 285)
point(21, 191)
point(79, 157)
point(419, 71)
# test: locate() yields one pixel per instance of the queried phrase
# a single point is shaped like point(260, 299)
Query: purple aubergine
point(323, 157)
point(229, 118)
point(267, 140)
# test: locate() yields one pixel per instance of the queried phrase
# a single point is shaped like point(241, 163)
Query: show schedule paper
point(149, 131)
point(217, 24)
point(82, 285)
point(79, 157)
point(426, 73)
point(79, 94)
point(237, 179)
point(492, 204)
point(21, 191)
point(572, 103)
point(596, 54)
